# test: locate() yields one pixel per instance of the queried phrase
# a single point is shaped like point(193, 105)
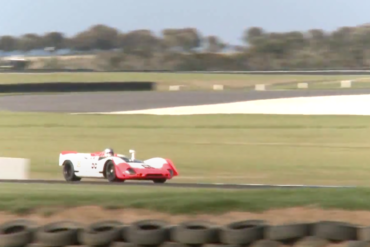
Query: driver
point(108, 152)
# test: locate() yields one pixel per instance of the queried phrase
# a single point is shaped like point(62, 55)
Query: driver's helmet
point(108, 152)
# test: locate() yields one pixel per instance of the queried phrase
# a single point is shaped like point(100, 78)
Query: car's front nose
point(135, 173)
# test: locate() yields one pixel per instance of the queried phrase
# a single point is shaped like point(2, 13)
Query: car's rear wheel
point(110, 172)
point(160, 181)
point(69, 172)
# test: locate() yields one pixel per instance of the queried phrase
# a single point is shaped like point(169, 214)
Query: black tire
point(63, 233)
point(358, 243)
point(221, 245)
point(288, 232)
point(311, 241)
point(69, 172)
point(122, 244)
point(266, 243)
point(174, 244)
point(148, 232)
point(364, 233)
point(17, 233)
point(335, 231)
point(160, 180)
point(195, 232)
point(110, 172)
point(101, 233)
point(242, 232)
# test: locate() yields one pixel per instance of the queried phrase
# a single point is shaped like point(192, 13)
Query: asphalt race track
point(128, 101)
point(175, 185)
point(125, 101)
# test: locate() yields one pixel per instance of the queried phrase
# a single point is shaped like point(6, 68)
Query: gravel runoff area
point(129, 101)
point(316, 105)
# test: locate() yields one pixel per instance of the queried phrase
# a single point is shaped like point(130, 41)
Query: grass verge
point(25, 198)
point(272, 149)
point(191, 81)
point(359, 82)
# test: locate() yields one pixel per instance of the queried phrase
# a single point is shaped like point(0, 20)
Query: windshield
point(128, 160)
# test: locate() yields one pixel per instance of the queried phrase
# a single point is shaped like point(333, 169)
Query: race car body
point(115, 168)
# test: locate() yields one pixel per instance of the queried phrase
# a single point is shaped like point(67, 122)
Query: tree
point(103, 37)
point(140, 41)
point(54, 39)
point(8, 43)
point(253, 35)
point(185, 40)
point(97, 37)
point(82, 41)
point(30, 42)
point(294, 40)
point(214, 44)
point(315, 48)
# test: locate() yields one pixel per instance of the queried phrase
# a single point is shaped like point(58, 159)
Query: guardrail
point(262, 72)
point(160, 233)
point(77, 87)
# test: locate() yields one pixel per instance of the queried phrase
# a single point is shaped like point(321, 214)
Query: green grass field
point(192, 81)
point(312, 150)
point(25, 199)
point(331, 150)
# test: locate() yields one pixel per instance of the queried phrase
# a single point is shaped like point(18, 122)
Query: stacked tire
point(151, 233)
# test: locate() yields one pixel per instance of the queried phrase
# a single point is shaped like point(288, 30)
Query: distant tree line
point(188, 49)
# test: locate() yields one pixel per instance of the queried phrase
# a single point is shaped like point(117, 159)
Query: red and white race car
point(115, 167)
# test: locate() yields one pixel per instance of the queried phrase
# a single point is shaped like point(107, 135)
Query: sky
point(225, 18)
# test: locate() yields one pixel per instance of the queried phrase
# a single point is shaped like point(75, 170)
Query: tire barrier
point(59, 87)
point(255, 233)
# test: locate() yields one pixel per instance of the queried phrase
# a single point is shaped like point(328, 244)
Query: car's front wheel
point(69, 172)
point(110, 172)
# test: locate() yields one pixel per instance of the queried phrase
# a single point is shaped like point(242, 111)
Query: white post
point(132, 152)
point(14, 168)
point(345, 84)
point(218, 87)
point(260, 87)
point(174, 88)
point(302, 85)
